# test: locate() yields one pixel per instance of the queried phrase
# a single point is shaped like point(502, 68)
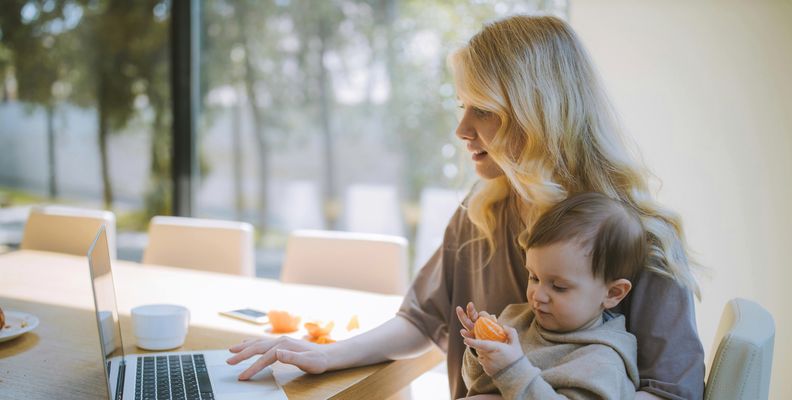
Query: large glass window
point(332, 114)
point(85, 110)
point(335, 114)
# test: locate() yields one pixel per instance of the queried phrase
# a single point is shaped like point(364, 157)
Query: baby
point(581, 257)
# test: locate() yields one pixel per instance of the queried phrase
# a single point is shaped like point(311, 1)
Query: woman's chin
point(488, 171)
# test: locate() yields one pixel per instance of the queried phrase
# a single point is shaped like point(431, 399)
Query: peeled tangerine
point(487, 329)
point(283, 322)
point(319, 334)
point(315, 329)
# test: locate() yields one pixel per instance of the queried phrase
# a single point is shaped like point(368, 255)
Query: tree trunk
point(258, 122)
point(261, 139)
point(263, 153)
point(236, 130)
point(158, 193)
point(107, 189)
point(330, 201)
point(390, 13)
point(53, 181)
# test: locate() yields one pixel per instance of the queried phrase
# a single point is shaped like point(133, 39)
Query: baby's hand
point(494, 356)
point(468, 319)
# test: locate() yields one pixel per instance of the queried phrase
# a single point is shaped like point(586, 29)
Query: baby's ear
point(617, 290)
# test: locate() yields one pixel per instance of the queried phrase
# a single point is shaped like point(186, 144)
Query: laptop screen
point(105, 299)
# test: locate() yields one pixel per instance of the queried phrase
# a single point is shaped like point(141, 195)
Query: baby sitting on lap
point(581, 257)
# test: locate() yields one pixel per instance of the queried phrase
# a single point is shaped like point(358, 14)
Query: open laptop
point(171, 375)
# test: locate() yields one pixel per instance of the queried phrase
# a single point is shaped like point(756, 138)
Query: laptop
point(171, 375)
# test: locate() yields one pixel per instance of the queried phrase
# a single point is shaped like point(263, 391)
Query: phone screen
point(251, 313)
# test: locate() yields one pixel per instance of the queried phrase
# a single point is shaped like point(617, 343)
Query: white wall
point(705, 89)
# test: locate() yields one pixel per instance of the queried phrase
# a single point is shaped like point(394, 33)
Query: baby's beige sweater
point(595, 363)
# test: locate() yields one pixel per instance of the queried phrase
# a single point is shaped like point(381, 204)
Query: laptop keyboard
point(176, 377)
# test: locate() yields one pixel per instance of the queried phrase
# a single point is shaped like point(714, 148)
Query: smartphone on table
point(248, 314)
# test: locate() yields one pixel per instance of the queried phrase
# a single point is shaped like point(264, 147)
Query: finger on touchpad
point(225, 379)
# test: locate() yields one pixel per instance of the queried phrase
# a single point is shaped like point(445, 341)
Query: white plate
point(17, 323)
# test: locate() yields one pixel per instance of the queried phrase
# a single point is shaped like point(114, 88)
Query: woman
point(539, 128)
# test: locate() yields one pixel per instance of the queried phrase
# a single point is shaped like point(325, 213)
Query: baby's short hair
point(611, 232)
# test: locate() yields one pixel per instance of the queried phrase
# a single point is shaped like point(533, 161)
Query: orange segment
point(316, 330)
point(325, 339)
point(353, 323)
point(319, 334)
point(487, 329)
point(283, 322)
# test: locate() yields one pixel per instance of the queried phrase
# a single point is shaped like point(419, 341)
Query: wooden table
point(61, 357)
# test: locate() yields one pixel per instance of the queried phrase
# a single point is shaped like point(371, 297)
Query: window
point(86, 110)
point(335, 114)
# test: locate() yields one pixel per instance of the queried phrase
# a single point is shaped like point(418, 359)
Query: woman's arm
point(425, 305)
point(395, 339)
point(661, 315)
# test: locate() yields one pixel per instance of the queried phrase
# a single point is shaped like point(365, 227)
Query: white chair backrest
point(373, 209)
point(359, 261)
point(202, 244)
point(67, 230)
point(742, 356)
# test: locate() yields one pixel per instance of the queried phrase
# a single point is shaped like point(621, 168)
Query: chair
point(202, 244)
point(360, 261)
point(742, 354)
point(67, 230)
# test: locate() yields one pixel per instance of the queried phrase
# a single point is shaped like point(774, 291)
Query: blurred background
point(312, 114)
point(340, 115)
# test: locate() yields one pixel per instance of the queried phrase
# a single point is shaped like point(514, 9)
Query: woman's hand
point(307, 356)
point(468, 318)
point(394, 340)
point(495, 356)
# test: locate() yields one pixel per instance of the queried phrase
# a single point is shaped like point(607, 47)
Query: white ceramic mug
point(160, 326)
point(108, 331)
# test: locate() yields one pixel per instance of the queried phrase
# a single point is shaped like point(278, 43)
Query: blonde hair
point(559, 135)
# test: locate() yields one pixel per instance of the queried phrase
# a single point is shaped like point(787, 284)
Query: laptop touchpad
point(225, 382)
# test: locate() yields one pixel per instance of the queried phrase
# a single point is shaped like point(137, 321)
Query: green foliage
point(101, 54)
point(133, 221)
point(12, 197)
point(284, 60)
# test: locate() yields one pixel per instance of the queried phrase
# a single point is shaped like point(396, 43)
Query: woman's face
point(477, 128)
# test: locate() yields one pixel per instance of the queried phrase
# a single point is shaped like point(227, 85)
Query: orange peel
point(283, 322)
point(316, 330)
